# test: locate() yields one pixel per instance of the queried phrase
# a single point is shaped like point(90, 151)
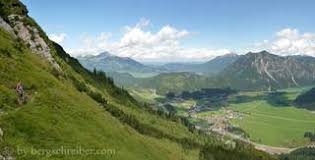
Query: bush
point(80, 86)
point(310, 135)
point(5, 52)
point(97, 97)
point(8, 7)
point(55, 72)
point(170, 95)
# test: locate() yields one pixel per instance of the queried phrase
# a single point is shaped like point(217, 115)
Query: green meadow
point(272, 124)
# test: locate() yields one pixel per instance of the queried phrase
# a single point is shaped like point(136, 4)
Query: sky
point(178, 30)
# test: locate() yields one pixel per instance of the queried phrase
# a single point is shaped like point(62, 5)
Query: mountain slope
point(110, 63)
point(254, 71)
point(165, 82)
point(208, 68)
point(175, 82)
point(265, 71)
point(58, 115)
point(69, 107)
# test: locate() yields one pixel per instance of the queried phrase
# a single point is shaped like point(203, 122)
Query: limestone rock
point(6, 26)
point(31, 37)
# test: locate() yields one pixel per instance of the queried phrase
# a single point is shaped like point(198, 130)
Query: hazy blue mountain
point(111, 63)
point(208, 68)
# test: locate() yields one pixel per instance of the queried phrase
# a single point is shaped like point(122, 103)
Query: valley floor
point(271, 123)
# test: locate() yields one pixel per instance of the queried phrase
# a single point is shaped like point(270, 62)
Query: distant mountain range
point(111, 63)
point(211, 67)
point(252, 71)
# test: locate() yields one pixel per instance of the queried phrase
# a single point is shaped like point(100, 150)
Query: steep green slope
point(56, 115)
point(70, 108)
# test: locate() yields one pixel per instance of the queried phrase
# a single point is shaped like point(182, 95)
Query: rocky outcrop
point(266, 71)
point(6, 27)
point(30, 36)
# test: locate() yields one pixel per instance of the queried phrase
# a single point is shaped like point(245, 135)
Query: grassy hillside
point(57, 114)
point(70, 108)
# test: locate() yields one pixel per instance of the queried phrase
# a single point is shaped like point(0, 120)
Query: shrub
point(97, 97)
point(5, 52)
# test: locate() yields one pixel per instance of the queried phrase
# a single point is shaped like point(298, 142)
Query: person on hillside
point(20, 91)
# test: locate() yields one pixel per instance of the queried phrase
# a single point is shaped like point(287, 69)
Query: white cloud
point(58, 38)
point(140, 43)
point(290, 42)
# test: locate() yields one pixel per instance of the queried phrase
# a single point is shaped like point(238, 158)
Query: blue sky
point(213, 27)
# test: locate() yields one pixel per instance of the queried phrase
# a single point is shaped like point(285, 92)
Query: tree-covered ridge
point(306, 100)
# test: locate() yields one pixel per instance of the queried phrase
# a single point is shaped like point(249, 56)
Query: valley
point(244, 99)
point(269, 122)
point(145, 91)
point(259, 98)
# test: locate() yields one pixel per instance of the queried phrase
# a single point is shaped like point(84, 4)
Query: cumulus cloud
point(142, 44)
point(290, 42)
point(58, 38)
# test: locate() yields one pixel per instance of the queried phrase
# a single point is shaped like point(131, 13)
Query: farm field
point(275, 125)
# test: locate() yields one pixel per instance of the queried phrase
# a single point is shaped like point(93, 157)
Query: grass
point(183, 107)
point(57, 114)
point(144, 95)
point(276, 126)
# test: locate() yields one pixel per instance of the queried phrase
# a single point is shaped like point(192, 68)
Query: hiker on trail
point(20, 91)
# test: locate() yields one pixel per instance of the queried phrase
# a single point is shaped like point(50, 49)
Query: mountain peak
point(228, 55)
point(104, 54)
point(262, 53)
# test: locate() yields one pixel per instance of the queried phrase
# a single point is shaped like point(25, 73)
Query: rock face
point(264, 71)
point(6, 26)
point(30, 36)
